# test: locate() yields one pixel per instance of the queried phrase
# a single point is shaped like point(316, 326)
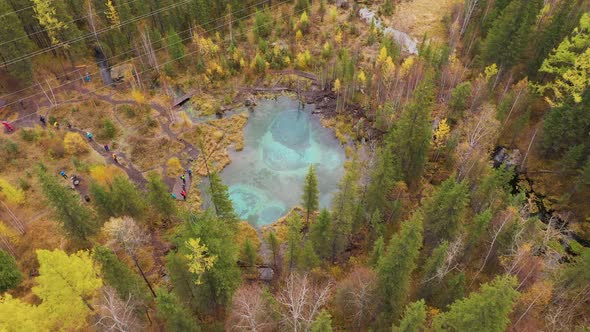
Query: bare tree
point(470, 6)
point(115, 314)
point(250, 311)
point(301, 300)
point(126, 235)
point(355, 299)
point(480, 134)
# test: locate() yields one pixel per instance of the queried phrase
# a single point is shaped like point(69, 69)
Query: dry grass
point(420, 17)
point(147, 153)
point(216, 137)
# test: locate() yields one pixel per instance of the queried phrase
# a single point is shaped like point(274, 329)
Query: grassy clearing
point(422, 17)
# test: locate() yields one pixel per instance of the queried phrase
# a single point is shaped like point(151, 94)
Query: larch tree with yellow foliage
point(198, 259)
point(66, 285)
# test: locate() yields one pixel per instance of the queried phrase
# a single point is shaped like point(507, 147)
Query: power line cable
point(155, 67)
point(133, 50)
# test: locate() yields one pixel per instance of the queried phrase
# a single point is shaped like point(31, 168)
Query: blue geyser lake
point(281, 140)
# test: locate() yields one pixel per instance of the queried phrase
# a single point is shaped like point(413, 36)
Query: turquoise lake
point(281, 140)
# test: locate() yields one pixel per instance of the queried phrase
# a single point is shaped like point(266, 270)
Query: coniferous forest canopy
point(464, 200)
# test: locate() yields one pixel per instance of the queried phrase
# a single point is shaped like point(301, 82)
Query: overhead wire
point(50, 29)
point(142, 72)
point(92, 34)
point(141, 55)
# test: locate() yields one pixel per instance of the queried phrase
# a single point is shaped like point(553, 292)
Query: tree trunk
point(143, 275)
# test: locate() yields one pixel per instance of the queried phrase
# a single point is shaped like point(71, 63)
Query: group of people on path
point(89, 136)
point(183, 178)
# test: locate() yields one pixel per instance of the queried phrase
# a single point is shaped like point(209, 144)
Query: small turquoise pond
point(281, 140)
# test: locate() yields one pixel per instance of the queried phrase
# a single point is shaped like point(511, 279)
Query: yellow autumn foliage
point(105, 174)
point(138, 96)
point(174, 167)
point(198, 260)
point(75, 144)
point(11, 193)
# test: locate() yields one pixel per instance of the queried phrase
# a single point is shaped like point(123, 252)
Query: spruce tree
point(444, 211)
point(411, 136)
point(377, 251)
point(454, 290)
point(320, 234)
point(509, 34)
point(102, 201)
point(413, 319)
point(310, 197)
point(158, 196)
point(126, 198)
point(275, 247)
point(10, 276)
point(16, 44)
point(294, 240)
point(323, 322)
point(220, 199)
point(175, 46)
point(395, 268)
point(174, 315)
point(430, 280)
point(486, 310)
point(385, 173)
point(344, 208)
point(76, 220)
point(309, 259)
point(118, 275)
point(219, 282)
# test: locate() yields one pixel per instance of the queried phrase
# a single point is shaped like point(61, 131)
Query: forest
point(295, 165)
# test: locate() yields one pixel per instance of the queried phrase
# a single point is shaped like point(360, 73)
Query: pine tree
point(173, 313)
point(486, 310)
point(377, 251)
point(320, 234)
point(444, 211)
point(410, 139)
point(344, 207)
point(158, 196)
point(563, 21)
point(118, 275)
point(384, 174)
point(395, 268)
point(454, 290)
point(413, 319)
point(577, 275)
point(75, 219)
point(220, 199)
point(323, 322)
point(175, 46)
point(60, 27)
point(477, 229)
point(460, 97)
point(275, 247)
point(510, 32)
point(126, 198)
point(294, 240)
point(17, 44)
point(377, 227)
point(102, 201)
point(249, 254)
point(309, 259)
point(10, 276)
point(310, 197)
point(222, 279)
